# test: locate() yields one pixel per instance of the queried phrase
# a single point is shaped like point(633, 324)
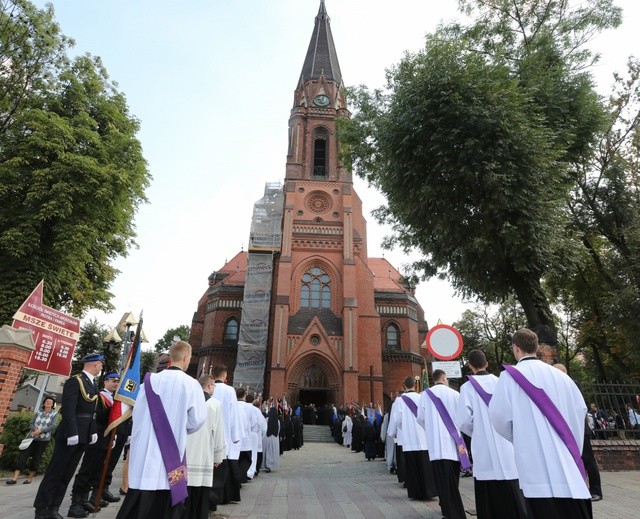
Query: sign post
point(54, 334)
point(445, 343)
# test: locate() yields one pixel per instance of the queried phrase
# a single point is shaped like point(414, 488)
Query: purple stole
point(463, 455)
point(486, 397)
point(551, 413)
point(410, 404)
point(176, 468)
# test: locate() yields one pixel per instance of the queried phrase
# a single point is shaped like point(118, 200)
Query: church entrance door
point(317, 397)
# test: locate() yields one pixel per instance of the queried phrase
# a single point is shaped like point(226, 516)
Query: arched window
point(315, 291)
point(393, 337)
point(231, 331)
point(320, 148)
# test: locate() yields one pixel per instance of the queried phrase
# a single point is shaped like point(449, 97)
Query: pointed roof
point(322, 58)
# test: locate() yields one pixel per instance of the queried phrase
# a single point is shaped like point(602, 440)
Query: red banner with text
point(54, 333)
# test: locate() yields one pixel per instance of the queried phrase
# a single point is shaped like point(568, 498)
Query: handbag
point(24, 444)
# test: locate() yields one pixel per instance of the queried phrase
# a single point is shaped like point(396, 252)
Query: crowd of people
point(190, 444)
point(523, 436)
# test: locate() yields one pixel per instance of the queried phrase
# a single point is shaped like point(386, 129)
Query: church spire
point(322, 59)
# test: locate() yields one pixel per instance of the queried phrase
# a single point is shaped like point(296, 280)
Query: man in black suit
point(88, 476)
point(76, 430)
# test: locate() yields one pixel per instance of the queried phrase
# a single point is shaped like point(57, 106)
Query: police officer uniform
point(76, 431)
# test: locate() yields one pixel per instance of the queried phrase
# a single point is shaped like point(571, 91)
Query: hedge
point(15, 429)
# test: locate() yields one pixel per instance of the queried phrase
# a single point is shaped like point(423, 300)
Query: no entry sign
point(54, 334)
point(444, 342)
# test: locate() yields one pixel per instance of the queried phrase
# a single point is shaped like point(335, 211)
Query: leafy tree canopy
point(474, 143)
point(72, 178)
point(91, 340)
point(163, 345)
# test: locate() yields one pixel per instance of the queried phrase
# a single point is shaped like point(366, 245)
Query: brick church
point(304, 311)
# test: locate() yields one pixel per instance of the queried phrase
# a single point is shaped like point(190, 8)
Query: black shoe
point(596, 497)
point(52, 513)
point(108, 496)
point(41, 513)
point(122, 492)
point(11, 482)
point(76, 510)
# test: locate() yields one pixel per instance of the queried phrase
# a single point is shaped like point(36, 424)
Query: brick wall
point(615, 455)
point(12, 360)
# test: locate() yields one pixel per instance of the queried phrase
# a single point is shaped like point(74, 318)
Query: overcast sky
point(212, 83)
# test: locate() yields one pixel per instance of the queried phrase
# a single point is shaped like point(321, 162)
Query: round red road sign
point(444, 342)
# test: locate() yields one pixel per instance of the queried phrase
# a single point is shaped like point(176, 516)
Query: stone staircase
point(317, 434)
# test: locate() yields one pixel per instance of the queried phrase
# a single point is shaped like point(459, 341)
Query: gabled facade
point(342, 326)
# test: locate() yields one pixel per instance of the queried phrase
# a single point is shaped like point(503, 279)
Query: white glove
point(128, 440)
point(94, 438)
point(72, 440)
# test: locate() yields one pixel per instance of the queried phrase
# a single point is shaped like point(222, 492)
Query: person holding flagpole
point(169, 406)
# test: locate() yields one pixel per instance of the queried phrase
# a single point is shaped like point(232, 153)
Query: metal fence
point(613, 410)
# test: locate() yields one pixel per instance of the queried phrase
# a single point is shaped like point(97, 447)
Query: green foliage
point(148, 362)
point(474, 144)
point(31, 48)
point(163, 345)
point(91, 340)
point(15, 429)
point(73, 176)
point(490, 330)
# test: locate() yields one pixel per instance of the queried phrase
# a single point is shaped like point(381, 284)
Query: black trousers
point(35, 451)
point(590, 465)
point(62, 466)
point(89, 471)
point(501, 499)
point(400, 466)
point(420, 480)
point(447, 473)
point(244, 462)
point(150, 504)
point(113, 459)
point(559, 508)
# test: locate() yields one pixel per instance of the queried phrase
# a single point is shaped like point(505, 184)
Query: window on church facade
point(231, 331)
point(393, 337)
point(320, 154)
point(315, 291)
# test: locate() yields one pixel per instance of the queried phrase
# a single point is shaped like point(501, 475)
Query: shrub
point(15, 429)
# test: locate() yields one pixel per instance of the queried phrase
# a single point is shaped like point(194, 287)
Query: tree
point(148, 362)
point(73, 176)
point(490, 330)
point(474, 142)
point(163, 345)
point(604, 291)
point(91, 340)
point(31, 48)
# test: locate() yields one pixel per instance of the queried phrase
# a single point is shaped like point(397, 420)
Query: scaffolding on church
point(265, 241)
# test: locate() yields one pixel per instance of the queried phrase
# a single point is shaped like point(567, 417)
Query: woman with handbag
point(41, 427)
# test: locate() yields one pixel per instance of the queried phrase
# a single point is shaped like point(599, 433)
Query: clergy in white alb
point(396, 433)
point(249, 424)
point(549, 476)
point(256, 435)
point(496, 489)
point(420, 481)
point(226, 478)
point(182, 399)
point(205, 451)
point(442, 447)
point(389, 445)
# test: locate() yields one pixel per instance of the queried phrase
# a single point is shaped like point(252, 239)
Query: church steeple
point(321, 59)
